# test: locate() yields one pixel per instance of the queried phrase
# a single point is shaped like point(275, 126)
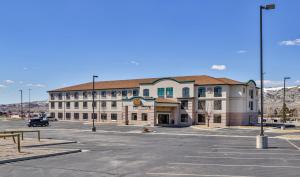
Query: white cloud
point(218, 67)
point(36, 85)
point(290, 42)
point(2, 86)
point(134, 62)
point(270, 83)
point(9, 81)
point(241, 51)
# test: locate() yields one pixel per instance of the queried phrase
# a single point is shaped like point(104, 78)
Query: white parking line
point(253, 149)
point(238, 158)
point(224, 165)
point(191, 174)
point(263, 153)
point(293, 144)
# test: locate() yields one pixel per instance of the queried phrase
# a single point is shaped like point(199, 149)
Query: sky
point(50, 44)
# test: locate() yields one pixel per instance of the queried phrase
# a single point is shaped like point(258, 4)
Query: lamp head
point(287, 78)
point(269, 6)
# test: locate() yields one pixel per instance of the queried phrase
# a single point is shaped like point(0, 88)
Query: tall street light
point(284, 105)
point(262, 140)
point(21, 91)
point(29, 90)
point(93, 104)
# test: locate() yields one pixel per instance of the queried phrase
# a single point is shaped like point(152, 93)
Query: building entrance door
point(163, 119)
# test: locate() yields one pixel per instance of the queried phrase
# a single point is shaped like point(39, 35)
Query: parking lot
point(125, 151)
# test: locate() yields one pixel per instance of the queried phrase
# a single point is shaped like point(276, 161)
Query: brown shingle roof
point(135, 83)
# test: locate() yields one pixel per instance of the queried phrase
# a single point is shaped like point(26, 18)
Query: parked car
point(34, 122)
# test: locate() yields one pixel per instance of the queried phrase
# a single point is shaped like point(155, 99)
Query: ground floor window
point(85, 116)
point(60, 115)
point(76, 116)
point(134, 116)
point(184, 117)
point(144, 116)
point(52, 114)
point(114, 116)
point(94, 116)
point(201, 118)
point(103, 116)
point(217, 118)
point(68, 116)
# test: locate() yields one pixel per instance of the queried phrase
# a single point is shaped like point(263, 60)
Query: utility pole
point(21, 91)
point(29, 103)
point(284, 105)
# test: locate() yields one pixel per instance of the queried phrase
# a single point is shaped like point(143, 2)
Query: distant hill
point(35, 106)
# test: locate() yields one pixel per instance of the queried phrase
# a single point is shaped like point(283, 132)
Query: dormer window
point(186, 92)
point(201, 92)
point(146, 92)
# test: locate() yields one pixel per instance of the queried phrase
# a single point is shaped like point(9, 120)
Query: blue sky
point(50, 44)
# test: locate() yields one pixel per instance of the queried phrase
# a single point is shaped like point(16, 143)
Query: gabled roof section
point(135, 83)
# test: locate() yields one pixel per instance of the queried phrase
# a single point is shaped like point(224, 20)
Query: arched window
point(201, 92)
point(218, 91)
point(146, 92)
point(186, 92)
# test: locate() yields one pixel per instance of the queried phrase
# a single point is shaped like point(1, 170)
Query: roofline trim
point(166, 78)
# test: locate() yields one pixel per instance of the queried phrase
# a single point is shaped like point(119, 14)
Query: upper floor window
point(161, 92)
point(68, 105)
point(60, 96)
point(76, 105)
point(52, 96)
point(52, 105)
point(85, 94)
point(251, 105)
point(60, 105)
point(113, 104)
point(76, 95)
point(124, 93)
point(146, 92)
point(67, 96)
point(186, 92)
point(201, 104)
point(113, 93)
point(103, 94)
point(169, 92)
point(201, 92)
point(135, 92)
point(218, 91)
point(218, 105)
point(85, 105)
point(251, 92)
point(184, 104)
point(103, 104)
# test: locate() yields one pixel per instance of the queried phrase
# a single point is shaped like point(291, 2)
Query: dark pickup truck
point(34, 122)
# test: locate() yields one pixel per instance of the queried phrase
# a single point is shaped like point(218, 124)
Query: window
point(218, 92)
point(85, 95)
point(134, 116)
point(186, 92)
point(68, 96)
point(217, 118)
point(52, 105)
point(124, 93)
point(144, 116)
point(60, 96)
point(76, 105)
point(103, 94)
point(146, 92)
point(135, 92)
point(114, 116)
point(184, 104)
point(201, 118)
point(113, 104)
point(76, 116)
point(52, 96)
point(103, 104)
point(85, 105)
point(60, 115)
point(251, 94)
point(52, 114)
point(161, 92)
point(184, 118)
point(95, 94)
point(103, 116)
point(169, 92)
point(68, 104)
point(94, 116)
point(85, 116)
point(76, 95)
point(113, 93)
point(201, 104)
point(244, 90)
point(68, 116)
point(218, 105)
point(201, 92)
point(95, 104)
point(60, 105)
point(251, 105)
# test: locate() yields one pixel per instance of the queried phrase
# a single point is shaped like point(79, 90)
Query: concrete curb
point(51, 144)
point(39, 156)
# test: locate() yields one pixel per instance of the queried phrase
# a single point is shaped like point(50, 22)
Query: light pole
point(93, 104)
point(262, 140)
point(284, 105)
point(21, 91)
point(29, 115)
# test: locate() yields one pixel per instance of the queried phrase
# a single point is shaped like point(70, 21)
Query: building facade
point(172, 101)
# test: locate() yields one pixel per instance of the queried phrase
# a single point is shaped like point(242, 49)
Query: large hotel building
point(178, 101)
